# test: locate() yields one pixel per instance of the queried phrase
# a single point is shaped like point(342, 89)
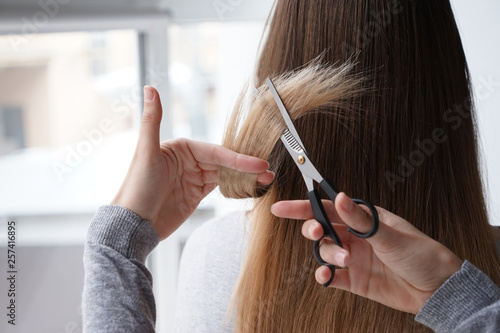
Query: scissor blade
point(285, 115)
point(288, 139)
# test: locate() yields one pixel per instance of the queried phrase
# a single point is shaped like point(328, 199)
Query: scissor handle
point(331, 192)
point(375, 220)
point(322, 262)
point(321, 216)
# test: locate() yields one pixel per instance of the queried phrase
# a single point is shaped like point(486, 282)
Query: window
point(11, 131)
point(69, 115)
point(67, 97)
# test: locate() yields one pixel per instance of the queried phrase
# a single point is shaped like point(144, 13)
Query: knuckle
point(147, 117)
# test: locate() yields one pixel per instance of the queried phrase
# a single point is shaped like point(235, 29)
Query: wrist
point(446, 263)
point(132, 205)
point(450, 264)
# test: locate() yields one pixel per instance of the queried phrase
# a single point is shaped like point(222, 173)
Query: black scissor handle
point(375, 220)
point(329, 232)
point(321, 216)
point(332, 194)
point(322, 262)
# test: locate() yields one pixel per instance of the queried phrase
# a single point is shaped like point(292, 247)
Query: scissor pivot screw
point(301, 159)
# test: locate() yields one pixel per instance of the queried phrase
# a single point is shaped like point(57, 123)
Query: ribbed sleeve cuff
point(124, 231)
point(458, 298)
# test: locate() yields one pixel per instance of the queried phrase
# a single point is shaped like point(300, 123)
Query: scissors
point(295, 147)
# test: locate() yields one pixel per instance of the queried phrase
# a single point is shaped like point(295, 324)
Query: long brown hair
point(407, 143)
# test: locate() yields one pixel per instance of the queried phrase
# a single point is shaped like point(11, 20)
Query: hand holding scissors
point(400, 266)
point(295, 148)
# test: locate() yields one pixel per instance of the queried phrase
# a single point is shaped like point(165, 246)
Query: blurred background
point(71, 77)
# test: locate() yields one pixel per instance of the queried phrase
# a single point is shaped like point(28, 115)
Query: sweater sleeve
point(117, 294)
point(468, 302)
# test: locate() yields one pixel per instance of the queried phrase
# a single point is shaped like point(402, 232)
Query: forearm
point(468, 302)
point(118, 293)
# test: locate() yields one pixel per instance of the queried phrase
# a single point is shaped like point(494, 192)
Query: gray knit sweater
point(118, 295)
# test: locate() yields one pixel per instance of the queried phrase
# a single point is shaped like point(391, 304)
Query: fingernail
point(148, 94)
point(340, 259)
point(272, 207)
point(311, 230)
point(347, 203)
point(265, 178)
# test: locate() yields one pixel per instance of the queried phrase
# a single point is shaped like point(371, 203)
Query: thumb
point(352, 214)
point(390, 230)
point(149, 135)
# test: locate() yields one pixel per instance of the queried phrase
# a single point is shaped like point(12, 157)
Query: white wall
point(479, 24)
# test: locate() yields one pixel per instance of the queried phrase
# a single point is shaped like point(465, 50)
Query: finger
point(265, 178)
point(323, 274)
point(352, 214)
point(312, 230)
point(149, 135)
point(221, 156)
point(334, 254)
point(390, 227)
point(341, 280)
point(395, 222)
point(210, 177)
point(302, 210)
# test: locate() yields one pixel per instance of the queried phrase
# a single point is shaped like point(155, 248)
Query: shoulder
point(209, 268)
point(218, 245)
point(230, 229)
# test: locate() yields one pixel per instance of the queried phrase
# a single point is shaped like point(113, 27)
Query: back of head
point(403, 137)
